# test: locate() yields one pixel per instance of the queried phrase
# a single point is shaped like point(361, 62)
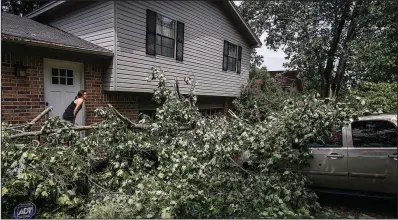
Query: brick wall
point(22, 98)
point(93, 87)
point(125, 102)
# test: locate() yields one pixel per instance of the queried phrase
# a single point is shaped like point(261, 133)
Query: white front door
point(62, 81)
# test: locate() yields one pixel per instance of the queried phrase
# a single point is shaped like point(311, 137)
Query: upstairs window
point(164, 36)
point(232, 57)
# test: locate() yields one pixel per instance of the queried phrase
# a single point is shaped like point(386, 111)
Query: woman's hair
point(80, 94)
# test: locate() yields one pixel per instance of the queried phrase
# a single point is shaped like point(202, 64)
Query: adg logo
point(25, 210)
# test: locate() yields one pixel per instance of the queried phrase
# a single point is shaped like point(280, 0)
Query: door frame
point(322, 170)
point(53, 62)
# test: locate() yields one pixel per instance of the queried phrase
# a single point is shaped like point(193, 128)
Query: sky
point(273, 60)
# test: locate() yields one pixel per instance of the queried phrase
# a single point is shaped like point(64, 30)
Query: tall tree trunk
point(351, 34)
point(333, 46)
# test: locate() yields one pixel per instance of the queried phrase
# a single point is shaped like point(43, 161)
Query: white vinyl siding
point(206, 28)
point(94, 23)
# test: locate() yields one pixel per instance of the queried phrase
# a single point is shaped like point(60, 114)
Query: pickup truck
point(362, 157)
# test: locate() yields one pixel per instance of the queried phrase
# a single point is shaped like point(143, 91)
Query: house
point(109, 47)
point(287, 80)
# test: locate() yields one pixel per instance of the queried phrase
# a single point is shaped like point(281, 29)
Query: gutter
point(44, 8)
point(13, 39)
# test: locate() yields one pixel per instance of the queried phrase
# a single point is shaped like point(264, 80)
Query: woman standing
point(74, 107)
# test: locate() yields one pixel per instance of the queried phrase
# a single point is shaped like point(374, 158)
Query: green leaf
point(4, 191)
point(44, 194)
point(140, 186)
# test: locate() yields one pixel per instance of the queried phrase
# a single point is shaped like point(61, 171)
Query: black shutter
point(225, 56)
point(180, 41)
point(239, 58)
point(150, 32)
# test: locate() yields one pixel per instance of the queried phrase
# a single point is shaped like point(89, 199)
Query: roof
point(24, 30)
point(287, 78)
point(388, 117)
point(53, 7)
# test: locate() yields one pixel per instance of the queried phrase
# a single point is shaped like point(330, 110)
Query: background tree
point(21, 7)
point(256, 60)
point(335, 43)
point(375, 97)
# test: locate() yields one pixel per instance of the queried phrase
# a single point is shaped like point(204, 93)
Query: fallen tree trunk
point(141, 126)
point(130, 123)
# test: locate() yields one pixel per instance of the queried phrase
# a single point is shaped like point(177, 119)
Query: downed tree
point(160, 171)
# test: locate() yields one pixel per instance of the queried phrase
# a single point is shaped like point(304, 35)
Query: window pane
point(159, 24)
point(69, 73)
point(54, 80)
point(165, 51)
point(54, 72)
point(374, 134)
point(173, 29)
point(231, 64)
point(167, 42)
point(158, 44)
point(335, 140)
point(158, 50)
point(158, 40)
point(166, 32)
point(167, 47)
point(232, 51)
point(62, 80)
point(165, 26)
point(62, 72)
point(170, 52)
point(69, 81)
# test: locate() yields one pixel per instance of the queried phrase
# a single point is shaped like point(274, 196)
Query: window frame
point(164, 36)
point(228, 58)
point(372, 120)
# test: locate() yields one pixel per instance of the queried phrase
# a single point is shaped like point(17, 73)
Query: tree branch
point(31, 123)
point(140, 126)
point(41, 132)
point(286, 19)
point(103, 188)
point(41, 115)
point(122, 117)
